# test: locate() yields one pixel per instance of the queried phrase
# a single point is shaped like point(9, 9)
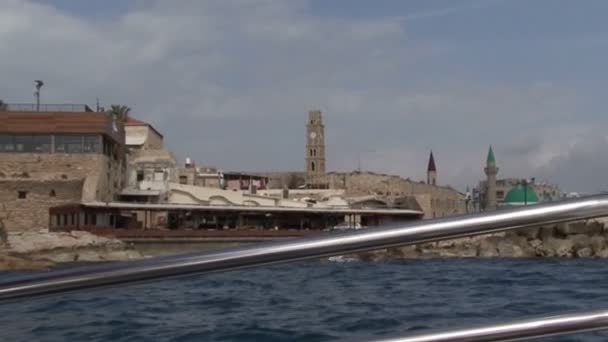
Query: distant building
point(493, 193)
point(60, 154)
point(150, 167)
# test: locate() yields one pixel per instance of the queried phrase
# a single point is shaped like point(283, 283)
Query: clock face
point(313, 135)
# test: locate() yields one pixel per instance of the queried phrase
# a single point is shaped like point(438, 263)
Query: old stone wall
point(31, 212)
point(104, 175)
point(47, 180)
point(437, 201)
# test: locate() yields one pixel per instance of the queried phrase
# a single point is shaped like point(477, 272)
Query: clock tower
point(315, 150)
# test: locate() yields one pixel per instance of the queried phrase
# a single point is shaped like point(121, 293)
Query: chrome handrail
point(517, 330)
point(304, 248)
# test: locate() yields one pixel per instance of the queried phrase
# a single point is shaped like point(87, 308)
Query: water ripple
point(316, 301)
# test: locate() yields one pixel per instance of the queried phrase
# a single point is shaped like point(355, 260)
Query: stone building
point(150, 167)
point(211, 177)
point(60, 155)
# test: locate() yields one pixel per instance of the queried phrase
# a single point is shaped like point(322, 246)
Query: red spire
point(432, 166)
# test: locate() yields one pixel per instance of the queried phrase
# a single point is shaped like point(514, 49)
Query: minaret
point(431, 171)
point(491, 172)
point(315, 149)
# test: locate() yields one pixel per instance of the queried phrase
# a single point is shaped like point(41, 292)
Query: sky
point(229, 82)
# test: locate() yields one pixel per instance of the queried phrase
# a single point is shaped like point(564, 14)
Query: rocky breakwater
point(35, 250)
point(571, 240)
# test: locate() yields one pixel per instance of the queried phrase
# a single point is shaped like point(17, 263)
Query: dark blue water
point(316, 301)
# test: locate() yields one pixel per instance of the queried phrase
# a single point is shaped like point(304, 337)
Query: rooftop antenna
point(97, 104)
point(39, 85)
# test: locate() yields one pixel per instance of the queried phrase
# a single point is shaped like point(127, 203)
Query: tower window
point(311, 153)
point(52, 193)
point(22, 194)
point(140, 175)
point(312, 166)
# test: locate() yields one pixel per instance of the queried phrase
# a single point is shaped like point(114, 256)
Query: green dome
point(521, 195)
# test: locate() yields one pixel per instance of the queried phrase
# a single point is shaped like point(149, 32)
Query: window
point(500, 194)
point(183, 179)
point(140, 175)
point(312, 166)
point(68, 144)
point(6, 143)
point(25, 143)
point(52, 193)
point(91, 144)
point(22, 194)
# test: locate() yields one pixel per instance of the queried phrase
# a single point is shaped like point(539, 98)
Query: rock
point(488, 247)
point(602, 254)
point(445, 244)
point(530, 233)
point(598, 243)
point(537, 246)
point(585, 252)
point(9, 263)
point(580, 227)
point(68, 247)
point(580, 240)
point(546, 232)
point(557, 247)
point(509, 250)
point(405, 252)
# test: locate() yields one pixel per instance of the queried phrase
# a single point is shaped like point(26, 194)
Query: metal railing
point(33, 107)
point(336, 244)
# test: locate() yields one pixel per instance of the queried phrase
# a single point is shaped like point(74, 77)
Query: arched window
point(311, 152)
point(312, 166)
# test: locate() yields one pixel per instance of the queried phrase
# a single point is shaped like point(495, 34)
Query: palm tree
point(120, 112)
point(3, 106)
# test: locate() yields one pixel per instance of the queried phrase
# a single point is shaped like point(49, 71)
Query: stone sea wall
point(572, 240)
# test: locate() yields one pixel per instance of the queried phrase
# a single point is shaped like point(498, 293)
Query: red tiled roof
point(134, 122)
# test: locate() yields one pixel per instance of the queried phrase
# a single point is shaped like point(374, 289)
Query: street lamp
point(39, 85)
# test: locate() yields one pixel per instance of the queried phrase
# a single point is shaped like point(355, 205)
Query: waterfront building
point(54, 155)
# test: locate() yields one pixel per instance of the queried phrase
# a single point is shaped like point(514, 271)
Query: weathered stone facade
point(71, 177)
point(435, 201)
point(27, 202)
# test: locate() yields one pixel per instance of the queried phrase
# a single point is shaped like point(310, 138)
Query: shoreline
point(43, 249)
